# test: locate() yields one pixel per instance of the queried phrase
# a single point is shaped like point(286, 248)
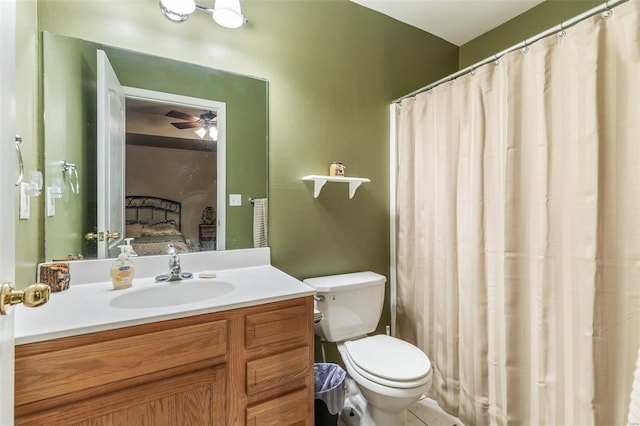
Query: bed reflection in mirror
point(153, 223)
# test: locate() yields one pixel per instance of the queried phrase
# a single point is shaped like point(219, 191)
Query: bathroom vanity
point(245, 357)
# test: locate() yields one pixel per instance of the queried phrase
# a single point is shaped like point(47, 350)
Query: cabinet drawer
point(269, 328)
point(291, 409)
point(73, 369)
point(277, 370)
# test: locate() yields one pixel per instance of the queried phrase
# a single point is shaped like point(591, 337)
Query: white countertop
point(86, 307)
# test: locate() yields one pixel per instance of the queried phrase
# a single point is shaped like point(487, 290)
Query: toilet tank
point(350, 303)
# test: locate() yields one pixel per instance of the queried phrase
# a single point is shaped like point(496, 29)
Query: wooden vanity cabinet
point(249, 366)
point(279, 366)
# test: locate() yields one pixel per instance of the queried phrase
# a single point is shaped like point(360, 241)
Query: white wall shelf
point(319, 181)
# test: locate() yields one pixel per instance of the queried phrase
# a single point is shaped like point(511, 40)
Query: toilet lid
point(389, 358)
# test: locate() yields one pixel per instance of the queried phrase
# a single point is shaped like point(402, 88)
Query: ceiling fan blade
point(186, 125)
point(181, 115)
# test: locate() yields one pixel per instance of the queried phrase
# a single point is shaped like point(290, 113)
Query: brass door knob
point(32, 296)
point(112, 235)
point(94, 236)
point(100, 236)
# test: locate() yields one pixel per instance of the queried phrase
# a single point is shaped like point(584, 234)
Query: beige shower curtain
point(518, 230)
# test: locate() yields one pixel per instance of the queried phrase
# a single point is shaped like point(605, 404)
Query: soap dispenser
point(130, 252)
point(123, 270)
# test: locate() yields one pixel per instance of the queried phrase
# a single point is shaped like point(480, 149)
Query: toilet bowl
point(390, 374)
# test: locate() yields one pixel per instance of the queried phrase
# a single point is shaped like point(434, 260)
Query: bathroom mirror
point(187, 164)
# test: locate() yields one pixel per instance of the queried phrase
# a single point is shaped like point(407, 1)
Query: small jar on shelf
point(336, 169)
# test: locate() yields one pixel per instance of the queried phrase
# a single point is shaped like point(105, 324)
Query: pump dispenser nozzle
point(129, 247)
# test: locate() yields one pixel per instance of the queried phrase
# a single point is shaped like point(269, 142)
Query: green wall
point(530, 23)
point(69, 99)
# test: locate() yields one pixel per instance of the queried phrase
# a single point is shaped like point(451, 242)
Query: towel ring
point(72, 170)
point(20, 162)
point(73, 176)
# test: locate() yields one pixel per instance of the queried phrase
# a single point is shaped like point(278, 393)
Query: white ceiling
point(457, 21)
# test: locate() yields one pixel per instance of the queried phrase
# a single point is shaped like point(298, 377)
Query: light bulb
point(228, 14)
point(213, 133)
point(201, 132)
point(177, 10)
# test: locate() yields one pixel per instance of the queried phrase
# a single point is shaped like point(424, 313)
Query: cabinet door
point(196, 398)
point(288, 410)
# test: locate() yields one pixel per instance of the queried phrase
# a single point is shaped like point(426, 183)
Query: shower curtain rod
point(605, 7)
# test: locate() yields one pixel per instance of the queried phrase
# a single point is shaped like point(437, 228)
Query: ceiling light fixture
point(225, 12)
point(177, 10)
point(201, 131)
point(213, 133)
point(210, 131)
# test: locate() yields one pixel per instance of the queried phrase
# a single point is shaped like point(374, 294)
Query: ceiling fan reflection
point(205, 124)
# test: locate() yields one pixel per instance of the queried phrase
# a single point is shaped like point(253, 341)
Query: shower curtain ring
point(562, 32)
point(607, 12)
point(525, 48)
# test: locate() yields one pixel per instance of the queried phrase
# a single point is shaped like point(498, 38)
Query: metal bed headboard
point(148, 209)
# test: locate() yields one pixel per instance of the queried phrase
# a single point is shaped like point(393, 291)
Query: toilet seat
point(389, 361)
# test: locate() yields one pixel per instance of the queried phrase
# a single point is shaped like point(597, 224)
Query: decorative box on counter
point(56, 275)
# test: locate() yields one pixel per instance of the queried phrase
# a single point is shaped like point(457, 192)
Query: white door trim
point(7, 200)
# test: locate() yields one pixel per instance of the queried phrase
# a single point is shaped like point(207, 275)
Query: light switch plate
point(25, 202)
point(235, 199)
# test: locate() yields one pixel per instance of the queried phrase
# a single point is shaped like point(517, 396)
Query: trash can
point(328, 393)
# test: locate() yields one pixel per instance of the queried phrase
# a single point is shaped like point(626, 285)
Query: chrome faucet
point(175, 271)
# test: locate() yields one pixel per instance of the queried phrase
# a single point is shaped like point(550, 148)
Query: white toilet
point(390, 374)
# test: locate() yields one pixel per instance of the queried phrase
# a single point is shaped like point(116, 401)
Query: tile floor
point(427, 412)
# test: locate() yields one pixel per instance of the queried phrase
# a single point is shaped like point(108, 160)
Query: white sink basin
point(172, 294)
